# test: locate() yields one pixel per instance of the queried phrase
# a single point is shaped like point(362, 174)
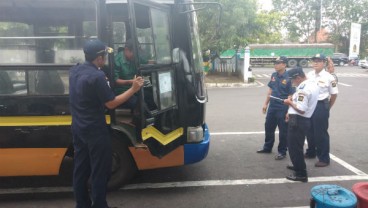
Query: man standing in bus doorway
point(125, 71)
point(301, 107)
point(279, 89)
point(318, 137)
point(90, 93)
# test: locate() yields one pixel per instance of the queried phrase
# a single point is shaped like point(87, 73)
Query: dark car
point(340, 59)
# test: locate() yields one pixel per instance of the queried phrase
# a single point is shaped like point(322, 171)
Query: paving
point(227, 80)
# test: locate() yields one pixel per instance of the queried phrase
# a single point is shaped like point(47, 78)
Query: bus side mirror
point(176, 55)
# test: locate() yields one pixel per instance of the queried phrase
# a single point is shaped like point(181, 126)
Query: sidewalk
point(220, 80)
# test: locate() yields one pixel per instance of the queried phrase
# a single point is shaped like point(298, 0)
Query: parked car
point(363, 63)
point(340, 59)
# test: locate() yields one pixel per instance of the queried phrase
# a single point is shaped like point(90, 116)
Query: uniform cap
point(281, 59)
point(94, 48)
point(319, 56)
point(294, 72)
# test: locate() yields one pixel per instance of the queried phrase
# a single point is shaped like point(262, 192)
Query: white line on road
point(347, 85)
point(185, 184)
point(333, 157)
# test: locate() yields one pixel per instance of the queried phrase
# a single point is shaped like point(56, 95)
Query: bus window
point(48, 82)
point(160, 25)
point(46, 34)
point(12, 82)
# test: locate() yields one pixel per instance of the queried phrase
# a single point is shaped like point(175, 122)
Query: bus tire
point(123, 165)
point(303, 63)
point(292, 63)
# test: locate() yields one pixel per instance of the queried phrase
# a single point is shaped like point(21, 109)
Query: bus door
point(151, 33)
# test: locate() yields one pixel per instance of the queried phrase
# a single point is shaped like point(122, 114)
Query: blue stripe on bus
point(196, 152)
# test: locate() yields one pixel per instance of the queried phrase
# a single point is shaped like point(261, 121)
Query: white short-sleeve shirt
point(305, 98)
point(326, 83)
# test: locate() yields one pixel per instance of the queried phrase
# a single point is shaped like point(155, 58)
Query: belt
point(324, 100)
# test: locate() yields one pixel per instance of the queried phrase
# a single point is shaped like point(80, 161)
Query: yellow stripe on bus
point(30, 161)
point(151, 131)
point(39, 120)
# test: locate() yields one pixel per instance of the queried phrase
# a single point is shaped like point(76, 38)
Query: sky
point(265, 4)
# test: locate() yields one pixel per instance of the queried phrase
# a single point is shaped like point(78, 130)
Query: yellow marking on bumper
point(30, 161)
point(39, 120)
point(151, 131)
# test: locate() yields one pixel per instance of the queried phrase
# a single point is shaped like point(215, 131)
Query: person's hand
point(287, 118)
point(288, 101)
point(137, 83)
point(264, 109)
point(330, 65)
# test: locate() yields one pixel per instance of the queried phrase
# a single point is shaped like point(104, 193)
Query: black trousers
point(297, 130)
point(92, 159)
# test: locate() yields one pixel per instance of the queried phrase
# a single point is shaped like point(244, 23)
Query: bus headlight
point(195, 134)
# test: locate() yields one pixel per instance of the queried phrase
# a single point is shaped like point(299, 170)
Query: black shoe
point(290, 167)
point(320, 164)
point(309, 156)
point(294, 177)
point(279, 156)
point(263, 151)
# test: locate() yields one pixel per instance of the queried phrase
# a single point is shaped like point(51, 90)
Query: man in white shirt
point(318, 137)
point(301, 107)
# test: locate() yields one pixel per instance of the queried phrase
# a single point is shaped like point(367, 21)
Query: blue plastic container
point(332, 196)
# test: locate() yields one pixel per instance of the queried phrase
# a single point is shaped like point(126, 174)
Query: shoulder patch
point(300, 97)
point(333, 83)
point(273, 79)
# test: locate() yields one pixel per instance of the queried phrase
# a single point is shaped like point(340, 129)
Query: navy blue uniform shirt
point(88, 93)
point(281, 87)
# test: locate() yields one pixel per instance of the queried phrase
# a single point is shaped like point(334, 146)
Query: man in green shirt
point(125, 72)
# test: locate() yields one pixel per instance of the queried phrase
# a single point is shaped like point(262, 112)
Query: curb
point(232, 85)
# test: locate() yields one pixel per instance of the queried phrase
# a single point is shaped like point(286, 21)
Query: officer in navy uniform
point(301, 107)
point(318, 137)
point(89, 94)
point(279, 88)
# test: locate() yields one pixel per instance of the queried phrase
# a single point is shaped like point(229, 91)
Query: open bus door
point(159, 121)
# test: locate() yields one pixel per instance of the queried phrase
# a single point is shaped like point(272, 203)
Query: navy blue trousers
point(92, 159)
point(297, 130)
point(318, 137)
point(275, 118)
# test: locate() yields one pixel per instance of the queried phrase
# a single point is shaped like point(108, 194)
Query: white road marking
point(347, 85)
point(186, 184)
point(360, 175)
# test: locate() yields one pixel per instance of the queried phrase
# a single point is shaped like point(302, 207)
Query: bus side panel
point(198, 151)
point(145, 160)
point(30, 161)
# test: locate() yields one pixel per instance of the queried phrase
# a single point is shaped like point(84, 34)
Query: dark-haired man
point(89, 95)
point(279, 88)
point(301, 107)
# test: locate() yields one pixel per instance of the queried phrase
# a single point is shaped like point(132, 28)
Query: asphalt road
point(233, 174)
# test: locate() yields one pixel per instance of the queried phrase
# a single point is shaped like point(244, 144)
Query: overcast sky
point(265, 4)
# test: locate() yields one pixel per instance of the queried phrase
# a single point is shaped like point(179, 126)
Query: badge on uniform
point(300, 98)
point(333, 83)
point(284, 82)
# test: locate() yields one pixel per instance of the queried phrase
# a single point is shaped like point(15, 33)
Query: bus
point(41, 40)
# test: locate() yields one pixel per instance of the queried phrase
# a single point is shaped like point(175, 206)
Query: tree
point(240, 25)
point(302, 18)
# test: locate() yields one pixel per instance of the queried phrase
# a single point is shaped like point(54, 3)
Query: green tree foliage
point(240, 25)
point(302, 17)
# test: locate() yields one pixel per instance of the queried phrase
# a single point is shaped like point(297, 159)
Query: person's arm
point(330, 66)
point(120, 99)
point(290, 103)
point(120, 82)
point(332, 100)
point(264, 108)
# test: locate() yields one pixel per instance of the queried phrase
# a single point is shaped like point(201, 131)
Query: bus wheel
point(303, 63)
point(123, 165)
point(292, 63)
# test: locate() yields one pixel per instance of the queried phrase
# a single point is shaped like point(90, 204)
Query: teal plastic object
point(332, 196)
